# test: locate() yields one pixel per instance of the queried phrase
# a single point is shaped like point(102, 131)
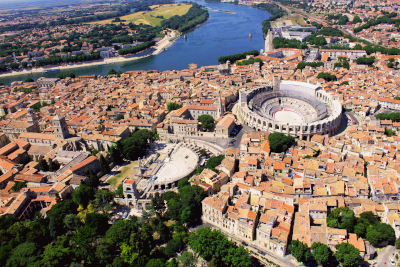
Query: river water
point(222, 34)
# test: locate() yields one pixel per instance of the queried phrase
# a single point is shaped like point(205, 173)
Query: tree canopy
point(347, 254)
point(214, 246)
point(173, 106)
point(207, 122)
point(299, 250)
point(394, 116)
point(321, 252)
point(134, 146)
point(327, 76)
point(279, 142)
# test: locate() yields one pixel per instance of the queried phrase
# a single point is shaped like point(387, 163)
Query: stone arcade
point(268, 108)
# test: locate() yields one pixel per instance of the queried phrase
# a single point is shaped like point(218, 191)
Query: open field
point(127, 170)
point(291, 20)
point(150, 17)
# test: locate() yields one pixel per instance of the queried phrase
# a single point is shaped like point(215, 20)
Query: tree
point(327, 76)
point(347, 254)
point(93, 179)
point(172, 263)
point(173, 246)
point(119, 117)
point(397, 243)
point(299, 250)
point(321, 252)
point(104, 197)
point(105, 252)
point(72, 222)
point(370, 217)
point(183, 182)
point(207, 122)
point(365, 60)
point(24, 255)
point(14, 66)
point(342, 218)
point(43, 166)
point(83, 194)
point(173, 106)
point(157, 204)
point(116, 154)
point(379, 233)
point(98, 222)
point(187, 259)
point(121, 230)
point(120, 191)
point(104, 165)
point(29, 80)
point(356, 19)
point(112, 72)
point(57, 254)
point(53, 165)
point(155, 263)
point(18, 186)
point(135, 145)
point(24, 64)
point(214, 246)
point(66, 75)
point(279, 142)
point(57, 214)
point(214, 161)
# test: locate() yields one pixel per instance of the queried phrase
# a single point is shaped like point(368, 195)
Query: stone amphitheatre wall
point(321, 111)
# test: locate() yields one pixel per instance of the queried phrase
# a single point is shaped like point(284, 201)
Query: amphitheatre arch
point(295, 108)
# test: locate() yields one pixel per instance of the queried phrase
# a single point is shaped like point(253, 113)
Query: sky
point(18, 4)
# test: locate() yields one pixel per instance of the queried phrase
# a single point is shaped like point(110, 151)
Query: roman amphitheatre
point(294, 108)
point(154, 17)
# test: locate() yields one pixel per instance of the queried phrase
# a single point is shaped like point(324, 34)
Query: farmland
point(154, 17)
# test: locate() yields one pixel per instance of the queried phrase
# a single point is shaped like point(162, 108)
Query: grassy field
point(292, 20)
point(150, 17)
point(124, 172)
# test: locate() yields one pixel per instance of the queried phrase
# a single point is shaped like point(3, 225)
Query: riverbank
point(221, 34)
point(160, 46)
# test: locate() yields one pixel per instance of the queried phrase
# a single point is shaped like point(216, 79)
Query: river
point(222, 34)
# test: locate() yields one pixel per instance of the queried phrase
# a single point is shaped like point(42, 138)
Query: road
point(352, 116)
point(384, 256)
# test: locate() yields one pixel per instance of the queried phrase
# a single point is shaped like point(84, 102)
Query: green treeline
point(394, 116)
point(329, 31)
point(122, 11)
point(372, 22)
point(287, 43)
point(341, 19)
point(365, 60)
point(327, 76)
point(250, 61)
point(195, 16)
point(67, 59)
point(276, 12)
point(303, 64)
point(216, 248)
point(233, 58)
point(136, 49)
